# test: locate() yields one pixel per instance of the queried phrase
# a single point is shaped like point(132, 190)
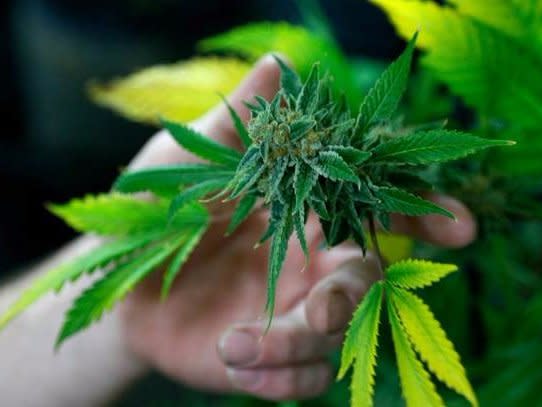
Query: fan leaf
point(434, 146)
point(418, 389)
point(431, 342)
point(360, 347)
point(412, 273)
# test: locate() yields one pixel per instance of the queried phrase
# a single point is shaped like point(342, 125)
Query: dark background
point(55, 144)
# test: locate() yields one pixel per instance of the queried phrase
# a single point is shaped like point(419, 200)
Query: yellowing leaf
point(431, 342)
point(417, 273)
point(471, 57)
point(394, 247)
point(360, 345)
point(521, 19)
point(181, 92)
point(418, 389)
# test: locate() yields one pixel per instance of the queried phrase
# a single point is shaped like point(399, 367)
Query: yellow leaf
point(471, 56)
point(431, 342)
point(181, 92)
point(394, 247)
point(360, 345)
point(418, 389)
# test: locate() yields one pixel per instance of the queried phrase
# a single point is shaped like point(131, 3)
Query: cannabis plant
point(305, 150)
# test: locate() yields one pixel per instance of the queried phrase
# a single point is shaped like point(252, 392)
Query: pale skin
point(209, 332)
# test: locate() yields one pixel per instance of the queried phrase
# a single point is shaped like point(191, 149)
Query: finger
point(437, 229)
point(331, 302)
point(287, 383)
point(289, 341)
point(263, 80)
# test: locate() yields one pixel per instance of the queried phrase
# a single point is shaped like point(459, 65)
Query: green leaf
point(433, 146)
point(242, 211)
point(112, 214)
point(412, 273)
point(247, 176)
point(352, 155)
point(167, 180)
point(418, 390)
point(277, 255)
point(193, 237)
point(289, 80)
point(360, 345)
point(308, 96)
point(431, 342)
point(398, 201)
point(193, 193)
point(299, 224)
point(54, 279)
point(203, 146)
point(113, 287)
point(257, 39)
point(301, 128)
point(239, 126)
point(383, 99)
point(331, 165)
point(304, 180)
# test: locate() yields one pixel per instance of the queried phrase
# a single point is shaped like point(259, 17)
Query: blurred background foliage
point(479, 67)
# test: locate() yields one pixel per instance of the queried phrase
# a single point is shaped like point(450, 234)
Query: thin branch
point(374, 240)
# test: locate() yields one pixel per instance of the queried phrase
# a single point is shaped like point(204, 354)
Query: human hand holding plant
point(220, 296)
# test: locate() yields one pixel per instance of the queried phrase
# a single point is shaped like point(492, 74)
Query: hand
point(208, 333)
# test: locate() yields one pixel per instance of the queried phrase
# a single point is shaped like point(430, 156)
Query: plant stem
point(374, 240)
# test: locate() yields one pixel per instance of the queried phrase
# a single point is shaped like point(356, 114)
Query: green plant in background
point(320, 145)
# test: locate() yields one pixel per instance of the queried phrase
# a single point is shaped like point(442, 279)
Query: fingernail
point(339, 311)
point(239, 348)
point(247, 380)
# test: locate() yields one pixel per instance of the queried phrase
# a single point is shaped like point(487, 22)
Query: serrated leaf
point(331, 165)
point(435, 146)
point(299, 224)
point(54, 279)
point(301, 128)
point(289, 80)
point(181, 92)
point(277, 255)
point(242, 212)
point(383, 99)
point(183, 252)
point(304, 180)
point(194, 193)
point(246, 177)
point(167, 180)
point(112, 214)
point(103, 294)
point(360, 347)
point(308, 96)
point(418, 390)
point(239, 125)
point(203, 146)
point(395, 200)
point(431, 342)
point(352, 155)
point(276, 174)
point(413, 273)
